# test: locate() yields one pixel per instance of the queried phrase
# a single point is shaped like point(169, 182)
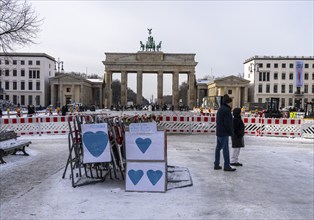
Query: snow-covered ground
point(276, 182)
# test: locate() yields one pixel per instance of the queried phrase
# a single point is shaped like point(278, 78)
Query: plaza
point(276, 182)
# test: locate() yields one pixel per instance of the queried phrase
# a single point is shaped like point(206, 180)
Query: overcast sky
point(222, 34)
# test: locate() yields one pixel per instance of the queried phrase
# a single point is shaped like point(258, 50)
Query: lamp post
point(57, 65)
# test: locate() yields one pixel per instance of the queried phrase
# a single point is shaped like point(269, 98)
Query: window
point(276, 65)
point(306, 65)
point(229, 91)
point(283, 65)
point(267, 76)
point(275, 88)
point(267, 88)
point(38, 74)
point(290, 75)
point(22, 85)
point(22, 100)
point(275, 75)
point(30, 100)
point(34, 74)
point(14, 99)
point(312, 76)
point(264, 76)
point(0, 85)
point(290, 88)
point(37, 100)
point(6, 62)
point(313, 89)
point(7, 72)
point(30, 74)
point(283, 102)
point(260, 65)
point(14, 72)
point(30, 85)
point(0, 72)
point(37, 85)
point(22, 62)
point(260, 100)
point(14, 85)
point(268, 65)
point(306, 88)
point(30, 62)
point(37, 62)
point(260, 88)
point(260, 76)
point(291, 65)
point(283, 76)
point(22, 72)
point(7, 97)
point(7, 85)
point(283, 88)
point(68, 89)
point(290, 101)
point(306, 76)
point(14, 62)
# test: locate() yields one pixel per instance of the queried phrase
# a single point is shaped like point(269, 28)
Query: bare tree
point(19, 24)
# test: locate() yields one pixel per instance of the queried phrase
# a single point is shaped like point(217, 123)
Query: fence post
point(39, 124)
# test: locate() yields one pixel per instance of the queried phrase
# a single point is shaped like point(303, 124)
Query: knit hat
point(236, 112)
point(226, 99)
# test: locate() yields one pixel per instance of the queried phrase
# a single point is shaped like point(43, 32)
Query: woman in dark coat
point(237, 137)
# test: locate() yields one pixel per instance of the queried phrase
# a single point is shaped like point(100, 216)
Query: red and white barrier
point(286, 127)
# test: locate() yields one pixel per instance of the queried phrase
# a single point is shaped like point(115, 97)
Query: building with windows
point(24, 78)
point(289, 78)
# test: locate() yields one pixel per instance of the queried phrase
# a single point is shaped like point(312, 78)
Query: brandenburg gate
point(150, 60)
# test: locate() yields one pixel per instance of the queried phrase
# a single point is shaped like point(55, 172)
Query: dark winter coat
point(238, 129)
point(224, 121)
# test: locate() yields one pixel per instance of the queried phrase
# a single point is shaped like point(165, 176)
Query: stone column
point(108, 89)
point(53, 98)
point(61, 98)
point(160, 89)
point(124, 88)
point(198, 96)
point(175, 90)
point(237, 98)
point(191, 91)
point(139, 88)
point(100, 97)
point(245, 95)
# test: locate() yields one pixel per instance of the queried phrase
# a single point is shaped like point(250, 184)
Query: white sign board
point(146, 176)
point(145, 146)
point(146, 127)
point(96, 146)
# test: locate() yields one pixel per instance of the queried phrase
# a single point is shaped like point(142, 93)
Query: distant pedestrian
point(0, 113)
point(237, 137)
point(224, 129)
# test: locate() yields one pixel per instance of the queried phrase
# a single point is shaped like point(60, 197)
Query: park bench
point(10, 145)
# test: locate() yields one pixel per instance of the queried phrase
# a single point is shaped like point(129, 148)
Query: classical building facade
point(69, 88)
point(235, 87)
point(150, 62)
point(24, 78)
point(289, 78)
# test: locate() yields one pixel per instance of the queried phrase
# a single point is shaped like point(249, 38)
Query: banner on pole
point(299, 73)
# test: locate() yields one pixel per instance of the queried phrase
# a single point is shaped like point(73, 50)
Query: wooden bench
point(10, 145)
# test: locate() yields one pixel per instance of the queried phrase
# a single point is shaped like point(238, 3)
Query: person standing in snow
point(237, 137)
point(224, 129)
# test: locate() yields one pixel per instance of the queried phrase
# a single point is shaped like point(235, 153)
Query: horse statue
point(150, 44)
point(159, 46)
point(142, 47)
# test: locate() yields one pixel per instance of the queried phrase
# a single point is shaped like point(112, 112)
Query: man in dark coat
point(224, 129)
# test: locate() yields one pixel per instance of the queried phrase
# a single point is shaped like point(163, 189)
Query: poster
point(145, 146)
point(146, 176)
point(96, 146)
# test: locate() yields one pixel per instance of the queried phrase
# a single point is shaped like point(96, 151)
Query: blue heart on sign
point(135, 175)
point(143, 144)
point(95, 143)
point(154, 176)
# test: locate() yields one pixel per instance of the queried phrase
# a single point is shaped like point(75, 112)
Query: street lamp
point(58, 63)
